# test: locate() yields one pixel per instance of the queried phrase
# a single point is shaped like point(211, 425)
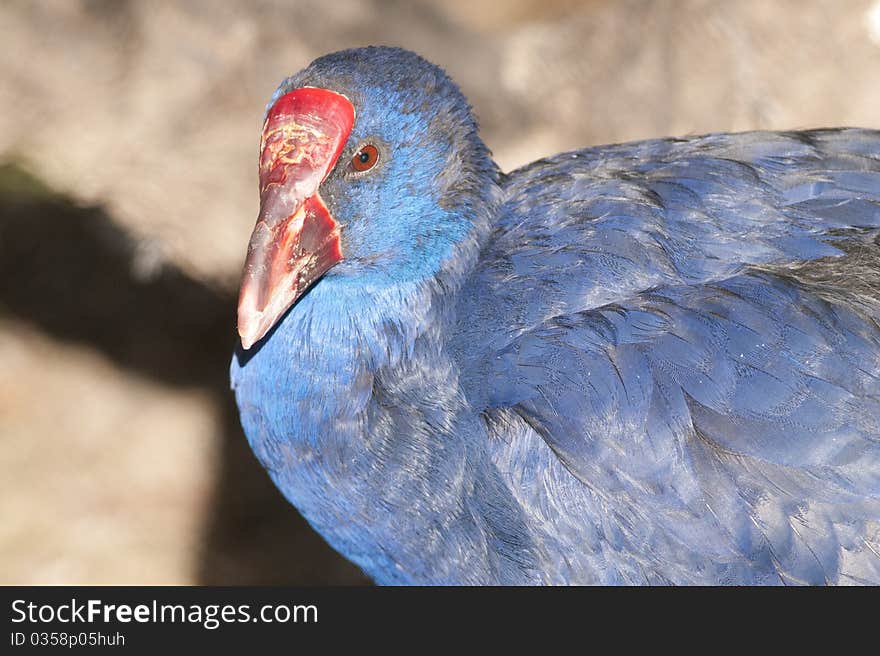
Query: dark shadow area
point(74, 274)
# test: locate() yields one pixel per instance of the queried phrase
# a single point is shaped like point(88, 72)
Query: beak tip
point(250, 335)
point(250, 328)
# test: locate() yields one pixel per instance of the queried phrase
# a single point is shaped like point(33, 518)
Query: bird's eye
point(365, 158)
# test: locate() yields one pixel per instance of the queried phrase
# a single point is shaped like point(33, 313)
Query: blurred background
point(128, 146)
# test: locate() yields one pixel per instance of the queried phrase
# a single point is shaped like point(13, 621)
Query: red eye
point(365, 158)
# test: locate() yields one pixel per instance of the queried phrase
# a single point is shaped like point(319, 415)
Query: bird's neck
point(354, 408)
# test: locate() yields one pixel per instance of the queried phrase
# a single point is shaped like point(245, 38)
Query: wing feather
point(693, 327)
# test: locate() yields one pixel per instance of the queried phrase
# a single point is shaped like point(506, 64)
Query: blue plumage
point(647, 363)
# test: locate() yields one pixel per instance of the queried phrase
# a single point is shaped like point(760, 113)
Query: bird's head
point(371, 171)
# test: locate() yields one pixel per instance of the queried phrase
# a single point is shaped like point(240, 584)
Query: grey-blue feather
point(693, 329)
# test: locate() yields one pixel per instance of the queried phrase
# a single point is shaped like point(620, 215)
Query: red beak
point(296, 240)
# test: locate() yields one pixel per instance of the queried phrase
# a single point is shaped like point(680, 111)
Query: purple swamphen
point(656, 362)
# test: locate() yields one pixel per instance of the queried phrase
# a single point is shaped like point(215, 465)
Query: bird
point(652, 363)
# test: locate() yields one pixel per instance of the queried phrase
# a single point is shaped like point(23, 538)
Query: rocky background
point(128, 139)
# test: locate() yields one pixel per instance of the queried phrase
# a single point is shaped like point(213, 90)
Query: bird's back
point(675, 346)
